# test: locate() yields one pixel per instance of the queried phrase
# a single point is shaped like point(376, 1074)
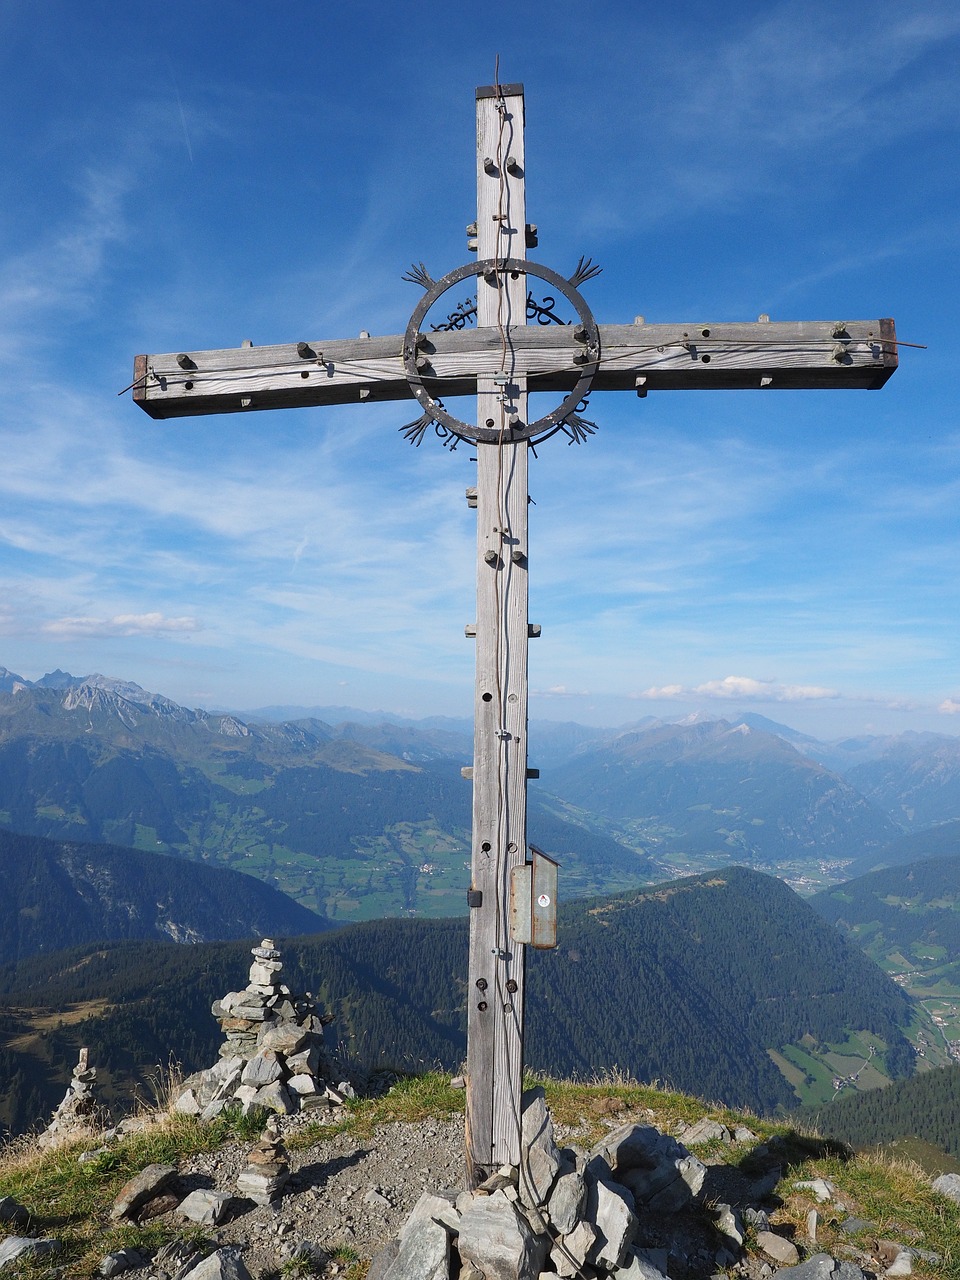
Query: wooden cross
point(502, 360)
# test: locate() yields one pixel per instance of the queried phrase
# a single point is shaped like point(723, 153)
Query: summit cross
point(512, 899)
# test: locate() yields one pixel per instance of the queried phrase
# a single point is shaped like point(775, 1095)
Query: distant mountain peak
point(54, 680)
point(231, 727)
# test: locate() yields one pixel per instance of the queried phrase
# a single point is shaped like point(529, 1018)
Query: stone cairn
point(562, 1214)
point(267, 1171)
point(78, 1110)
point(273, 1053)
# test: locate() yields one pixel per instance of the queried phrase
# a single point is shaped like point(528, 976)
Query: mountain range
point(346, 828)
point(370, 817)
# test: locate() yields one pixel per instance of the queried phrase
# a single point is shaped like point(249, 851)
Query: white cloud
point(743, 688)
point(559, 691)
point(949, 707)
point(123, 624)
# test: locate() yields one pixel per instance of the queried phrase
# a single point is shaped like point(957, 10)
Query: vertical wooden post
point(495, 998)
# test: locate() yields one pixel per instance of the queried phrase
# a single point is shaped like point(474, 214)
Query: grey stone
point(251, 1012)
point(284, 1037)
point(375, 1197)
point(497, 1240)
point(13, 1211)
point(223, 1264)
point(265, 973)
point(264, 1184)
point(853, 1226)
point(705, 1130)
point(902, 1265)
point(229, 1002)
point(276, 1097)
point(778, 1248)
point(207, 1207)
point(142, 1187)
point(262, 1069)
point(187, 1103)
point(657, 1169)
point(567, 1200)
point(306, 1062)
point(629, 1147)
point(114, 1264)
point(948, 1184)
point(384, 1260)
point(821, 1267)
point(764, 1187)
point(657, 1258)
point(570, 1252)
point(303, 1086)
point(757, 1218)
point(610, 1209)
point(729, 1224)
point(637, 1267)
point(821, 1189)
point(925, 1255)
point(742, 1134)
point(813, 1221)
point(540, 1157)
point(423, 1251)
point(16, 1247)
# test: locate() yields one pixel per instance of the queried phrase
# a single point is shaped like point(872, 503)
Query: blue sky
point(185, 176)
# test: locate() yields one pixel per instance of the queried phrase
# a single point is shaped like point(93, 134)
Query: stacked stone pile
point(267, 1171)
point(78, 1110)
point(273, 1053)
point(561, 1214)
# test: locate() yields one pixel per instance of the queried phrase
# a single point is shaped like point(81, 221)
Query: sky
point(186, 176)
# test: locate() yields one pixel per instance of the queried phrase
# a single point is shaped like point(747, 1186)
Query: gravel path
point(343, 1192)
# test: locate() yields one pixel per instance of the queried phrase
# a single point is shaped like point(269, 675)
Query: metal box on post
point(533, 901)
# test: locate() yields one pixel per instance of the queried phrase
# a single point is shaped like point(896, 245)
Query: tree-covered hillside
point(59, 894)
point(693, 983)
point(907, 919)
point(927, 1107)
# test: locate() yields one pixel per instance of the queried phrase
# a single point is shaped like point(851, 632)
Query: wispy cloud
point(741, 688)
point(124, 624)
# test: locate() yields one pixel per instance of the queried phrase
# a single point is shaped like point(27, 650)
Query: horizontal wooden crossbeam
point(783, 355)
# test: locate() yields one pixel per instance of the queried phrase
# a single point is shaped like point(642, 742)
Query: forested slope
point(927, 1107)
point(690, 984)
point(59, 893)
point(906, 918)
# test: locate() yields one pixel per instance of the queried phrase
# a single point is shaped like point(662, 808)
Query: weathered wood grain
point(495, 1011)
point(791, 354)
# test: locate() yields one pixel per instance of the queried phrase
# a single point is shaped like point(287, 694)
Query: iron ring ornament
point(587, 333)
